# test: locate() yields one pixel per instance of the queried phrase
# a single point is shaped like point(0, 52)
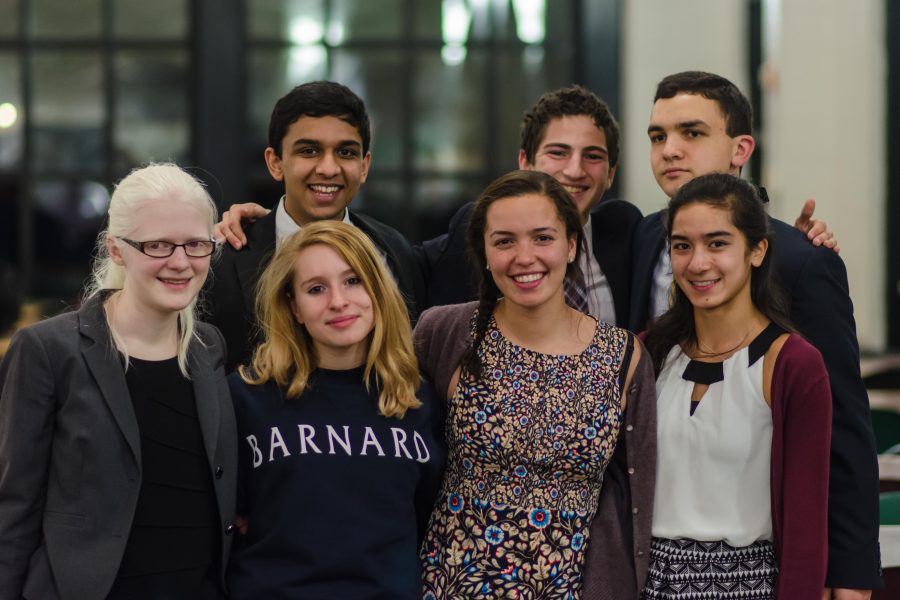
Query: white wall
point(825, 139)
point(825, 116)
point(662, 37)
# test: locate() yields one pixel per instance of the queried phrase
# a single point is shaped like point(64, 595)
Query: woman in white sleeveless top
point(744, 414)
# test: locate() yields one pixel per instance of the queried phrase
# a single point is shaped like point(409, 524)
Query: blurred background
point(91, 88)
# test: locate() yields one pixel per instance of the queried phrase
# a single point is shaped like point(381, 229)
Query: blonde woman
point(339, 460)
point(117, 454)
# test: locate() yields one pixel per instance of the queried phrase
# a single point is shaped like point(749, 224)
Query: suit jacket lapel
point(379, 242)
point(253, 259)
point(103, 361)
point(202, 376)
point(611, 257)
point(651, 238)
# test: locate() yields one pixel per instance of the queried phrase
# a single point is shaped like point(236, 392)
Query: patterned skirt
point(688, 569)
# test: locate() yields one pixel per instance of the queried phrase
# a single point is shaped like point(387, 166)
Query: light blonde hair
point(147, 184)
point(288, 355)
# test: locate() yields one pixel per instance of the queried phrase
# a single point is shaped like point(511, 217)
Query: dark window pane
point(297, 21)
point(425, 213)
point(156, 19)
point(524, 75)
point(9, 18)
point(450, 113)
point(428, 19)
point(560, 22)
point(65, 18)
point(379, 77)
point(437, 200)
point(384, 198)
point(151, 115)
point(352, 20)
point(11, 112)
point(458, 21)
point(271, 74)
point(68, 214)
point(69, 112)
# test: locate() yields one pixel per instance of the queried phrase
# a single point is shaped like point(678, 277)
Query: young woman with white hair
point(117, 435)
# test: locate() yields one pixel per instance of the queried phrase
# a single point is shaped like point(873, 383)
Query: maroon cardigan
point(619, 543)
point(801, 443)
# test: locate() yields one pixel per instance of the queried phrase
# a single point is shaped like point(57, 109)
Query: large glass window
point(88, 90)
point(91, 89)
point(11, 115)
point(445, 83)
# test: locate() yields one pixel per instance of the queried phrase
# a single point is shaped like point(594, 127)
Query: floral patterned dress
point(528, 445)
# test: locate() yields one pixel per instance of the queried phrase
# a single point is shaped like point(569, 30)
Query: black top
point(174, 540)
point(336, 495)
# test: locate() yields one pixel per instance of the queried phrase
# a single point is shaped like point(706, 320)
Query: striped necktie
point(576, 294)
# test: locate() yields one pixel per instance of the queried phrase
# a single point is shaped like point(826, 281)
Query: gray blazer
point(70, 463)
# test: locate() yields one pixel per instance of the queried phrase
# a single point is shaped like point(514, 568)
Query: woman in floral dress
point(535, 398)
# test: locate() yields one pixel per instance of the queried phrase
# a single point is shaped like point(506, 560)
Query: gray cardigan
point(617, 555)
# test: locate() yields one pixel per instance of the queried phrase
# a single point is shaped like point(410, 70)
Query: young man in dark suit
point(319, 139)
point(570, 134)
point(701, 123)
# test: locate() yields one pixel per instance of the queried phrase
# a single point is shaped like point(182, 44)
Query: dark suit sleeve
point(27, 410)
point(822, 311)
point(222, 305)
point(401, 260)
point(429, 253)
point(647, 242)
point(613, 224)
point(444, 260)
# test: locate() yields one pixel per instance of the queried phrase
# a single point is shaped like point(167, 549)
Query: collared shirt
point(285, 226)
point(600, 298)
point(662, 284)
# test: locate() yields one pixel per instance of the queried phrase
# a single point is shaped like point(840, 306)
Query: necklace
point(708, 353)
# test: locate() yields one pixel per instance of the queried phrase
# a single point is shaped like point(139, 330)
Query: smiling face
point(527, 249)
point(163, 285)
point(573, 151)
point(710, 259)
point(330, 301)
point(688, 138)
point(322, 165)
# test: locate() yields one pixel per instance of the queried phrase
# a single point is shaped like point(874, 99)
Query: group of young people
point(519, 442)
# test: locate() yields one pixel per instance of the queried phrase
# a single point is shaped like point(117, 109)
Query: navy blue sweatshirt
point(336, 495)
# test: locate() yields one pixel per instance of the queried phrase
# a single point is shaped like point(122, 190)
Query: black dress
point(174, 543)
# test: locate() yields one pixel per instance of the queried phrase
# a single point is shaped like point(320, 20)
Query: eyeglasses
point(160, 249)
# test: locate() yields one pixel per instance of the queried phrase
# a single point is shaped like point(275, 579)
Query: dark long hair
point(741, 200)
point(512, 185)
